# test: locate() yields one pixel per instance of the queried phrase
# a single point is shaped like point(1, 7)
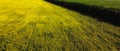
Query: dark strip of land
point(109, 15)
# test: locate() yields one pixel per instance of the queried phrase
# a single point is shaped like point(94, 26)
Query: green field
point(105, 3)
point(37, 25)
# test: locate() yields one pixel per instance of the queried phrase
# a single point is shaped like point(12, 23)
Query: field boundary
point(109, 15)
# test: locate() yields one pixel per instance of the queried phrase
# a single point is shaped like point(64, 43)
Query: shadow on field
point(110, 15)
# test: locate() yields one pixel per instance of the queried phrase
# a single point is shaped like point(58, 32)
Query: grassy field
point(37, 25)
point(105, 3)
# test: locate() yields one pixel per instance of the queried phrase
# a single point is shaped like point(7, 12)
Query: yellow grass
point(36, 25)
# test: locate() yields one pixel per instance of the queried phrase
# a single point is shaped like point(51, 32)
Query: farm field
point(105, 3)
point(37, 25)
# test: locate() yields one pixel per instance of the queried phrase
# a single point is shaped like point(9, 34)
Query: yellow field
point(36, 25)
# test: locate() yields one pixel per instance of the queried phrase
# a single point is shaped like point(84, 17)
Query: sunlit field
point(105, 3)
point(37, 25)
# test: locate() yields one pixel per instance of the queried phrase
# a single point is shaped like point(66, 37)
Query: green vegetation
point(37, 25)
point(105, 3)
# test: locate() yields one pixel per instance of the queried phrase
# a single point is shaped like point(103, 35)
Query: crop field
point(105, 3)
point(37, 25)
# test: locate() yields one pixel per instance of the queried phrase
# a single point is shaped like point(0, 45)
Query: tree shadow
point(109, 15)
